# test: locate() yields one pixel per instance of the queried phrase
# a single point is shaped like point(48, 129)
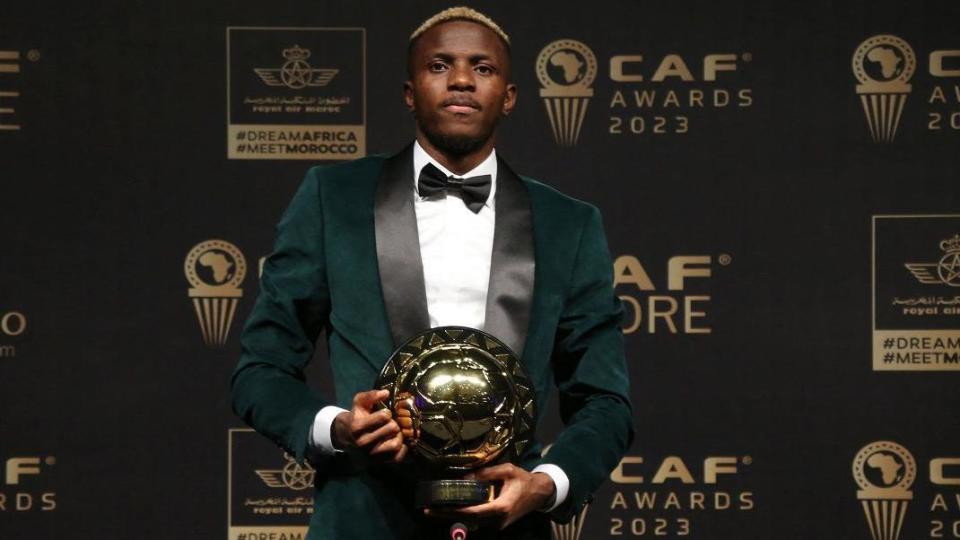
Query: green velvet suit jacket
point(347, 262)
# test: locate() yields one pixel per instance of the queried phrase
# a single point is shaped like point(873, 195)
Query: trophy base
point(452, 493)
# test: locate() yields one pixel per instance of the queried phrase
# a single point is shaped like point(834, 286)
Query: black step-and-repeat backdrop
point(779, 185)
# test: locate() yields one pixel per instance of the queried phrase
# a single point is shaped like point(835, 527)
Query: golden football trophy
point(463, 401)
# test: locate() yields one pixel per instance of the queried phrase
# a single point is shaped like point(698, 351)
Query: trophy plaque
point(465, 402)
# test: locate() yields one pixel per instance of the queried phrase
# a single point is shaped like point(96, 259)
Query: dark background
point(120, 168)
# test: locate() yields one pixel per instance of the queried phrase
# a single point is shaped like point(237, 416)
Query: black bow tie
point(474, 190)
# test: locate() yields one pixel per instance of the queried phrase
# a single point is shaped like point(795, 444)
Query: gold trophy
point(463, 401)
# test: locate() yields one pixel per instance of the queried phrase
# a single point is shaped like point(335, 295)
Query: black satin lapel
point(398, 249)
point(510, 292)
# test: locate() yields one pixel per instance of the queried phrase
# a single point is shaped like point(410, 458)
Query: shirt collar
point(487, 166)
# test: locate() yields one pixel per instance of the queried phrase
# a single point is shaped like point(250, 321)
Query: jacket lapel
point(510, 291)
point(398, 249)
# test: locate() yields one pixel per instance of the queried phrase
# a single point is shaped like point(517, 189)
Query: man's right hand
point(372, 432)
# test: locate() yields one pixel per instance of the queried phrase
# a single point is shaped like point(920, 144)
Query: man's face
point(459, 88)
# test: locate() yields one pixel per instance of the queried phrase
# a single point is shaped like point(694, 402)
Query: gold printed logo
point(9, 63)
point(883, 65)
point(571, 530)
point(23, 487)
point(884, 471)
point(566, 68)
point(293, 475)
point(947, 269)
point(215, 270)
point(296, 73)
point(12, 325)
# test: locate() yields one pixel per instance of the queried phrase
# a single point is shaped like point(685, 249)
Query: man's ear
point(509, 99)
point(408, 95)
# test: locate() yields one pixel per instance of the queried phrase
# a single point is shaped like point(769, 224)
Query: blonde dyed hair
point(460, 13)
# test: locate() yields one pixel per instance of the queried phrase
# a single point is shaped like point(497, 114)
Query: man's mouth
point(461, 105)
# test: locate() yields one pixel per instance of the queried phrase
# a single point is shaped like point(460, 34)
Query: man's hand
point(408, 421)
point(368, 431)
point(522, 492)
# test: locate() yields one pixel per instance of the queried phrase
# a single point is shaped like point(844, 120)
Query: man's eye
point(437, 66)
point(486, 70)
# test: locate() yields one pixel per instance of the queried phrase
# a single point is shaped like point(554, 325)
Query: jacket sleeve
point(268, 386)
point(590, 374)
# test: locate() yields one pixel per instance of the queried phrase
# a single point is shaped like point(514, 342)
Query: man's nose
point(461, 78)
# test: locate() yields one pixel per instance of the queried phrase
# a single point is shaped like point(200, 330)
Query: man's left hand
point(521, 493)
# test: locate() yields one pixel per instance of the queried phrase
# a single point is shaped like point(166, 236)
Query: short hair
point(458, 13)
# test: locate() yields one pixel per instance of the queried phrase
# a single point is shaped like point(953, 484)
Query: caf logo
point(215, 270)
point(948, 268)
point(296, 73)
point(571, 530)
point(884, 471)
point(566, 68)
point(883, 65)
point(293, 475)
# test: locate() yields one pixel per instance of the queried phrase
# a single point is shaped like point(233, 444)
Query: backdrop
point(779, 186)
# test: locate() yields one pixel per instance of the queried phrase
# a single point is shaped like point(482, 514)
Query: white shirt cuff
point(560, 480)
point(320, 437)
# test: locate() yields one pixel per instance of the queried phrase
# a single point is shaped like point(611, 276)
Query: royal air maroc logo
point(296, 93)
point(268, 496)
point(883, 65)
point(566, 69)
point(916, 292)
point(944, 272)
point(215, 270)
point(884, 472)
point(293, 475)
point(296, 73)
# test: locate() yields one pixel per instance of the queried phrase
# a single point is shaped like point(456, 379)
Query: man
point(380, 249)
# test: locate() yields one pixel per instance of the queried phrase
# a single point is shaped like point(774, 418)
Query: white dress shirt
point(455, 247)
